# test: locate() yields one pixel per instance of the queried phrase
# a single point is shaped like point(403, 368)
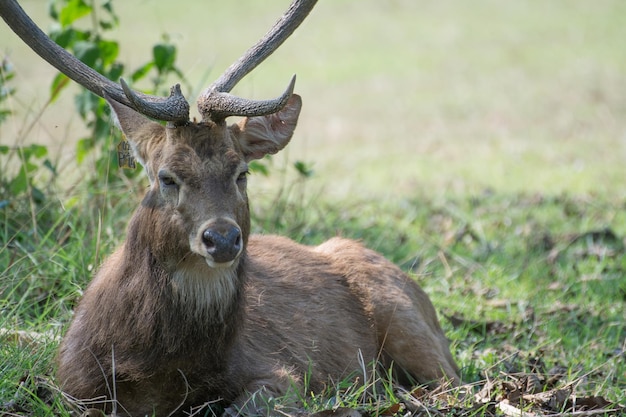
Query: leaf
point(164, 56)
point(102, 127)
point(51, 167)
point(392, 410)
point(58, 84)
point(115, 71)
point(86, 51)
point(63, 37)
point(19, 184)
point(595, 402)
point(82, 149)
point(52, 11)
point(104, 25)
point(86, 103)
point(38, 195)
point(141, 71)
point(109, 51)
point(38, 151)
point(304, 169)
point(6, 70)
point(260, 167)
point(107, 5)
point(554, 400)
point(4, 114)
point(73, 10)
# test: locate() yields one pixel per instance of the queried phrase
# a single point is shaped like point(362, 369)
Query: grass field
point(479, 145)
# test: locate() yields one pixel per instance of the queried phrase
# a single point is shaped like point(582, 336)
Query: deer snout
point(222, 241)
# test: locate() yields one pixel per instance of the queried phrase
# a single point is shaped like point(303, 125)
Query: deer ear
point(142, 133)
point(263, 135)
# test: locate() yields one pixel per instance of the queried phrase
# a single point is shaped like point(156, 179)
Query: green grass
point(524, 283)
point(479, 146)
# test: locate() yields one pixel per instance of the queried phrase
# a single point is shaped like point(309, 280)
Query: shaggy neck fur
point(204, 292)
point(190, 302)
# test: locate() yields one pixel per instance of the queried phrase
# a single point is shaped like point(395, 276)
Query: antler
point(216, 104)
point(173, 108)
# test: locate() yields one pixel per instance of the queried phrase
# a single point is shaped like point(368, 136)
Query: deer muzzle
point(222, 242)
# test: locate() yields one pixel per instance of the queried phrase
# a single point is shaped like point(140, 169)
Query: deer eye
point(243, 176)
point(166, 179)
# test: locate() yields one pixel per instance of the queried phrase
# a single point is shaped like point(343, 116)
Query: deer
point(192, 308)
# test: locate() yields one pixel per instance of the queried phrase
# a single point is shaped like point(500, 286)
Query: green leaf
point(88, 52)
point(4, 149)
point(164, 56)
point(19, 184)
point(52, 11)
point(24, 153)
point(108, 6)
point(141, 71)
point(63, 37)
point(6, 70)
point(51, 167)
point(38, 151)
point(73, 10)
point(108, 51)
point(115, 71)
point(102, 127)
point(86, 102)
point(82, 149)
point(38, 195)
point(58, 84)
point(304, 169)
point(104, 25)
point(260, 167)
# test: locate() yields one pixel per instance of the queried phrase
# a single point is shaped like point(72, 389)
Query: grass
point(480, 147)
point(525, 284)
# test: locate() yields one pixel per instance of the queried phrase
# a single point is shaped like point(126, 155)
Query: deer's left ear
point(263, 135)
point(143, 134)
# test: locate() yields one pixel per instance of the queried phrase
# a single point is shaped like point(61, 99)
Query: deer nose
point(222, 242)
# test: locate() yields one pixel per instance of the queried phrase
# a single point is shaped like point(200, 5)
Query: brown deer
point(191, 308)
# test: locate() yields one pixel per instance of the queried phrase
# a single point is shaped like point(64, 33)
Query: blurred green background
point(442, 97)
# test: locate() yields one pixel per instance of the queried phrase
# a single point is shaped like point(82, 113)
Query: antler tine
point(173, 108)
point(215, 103)
point(217, 106)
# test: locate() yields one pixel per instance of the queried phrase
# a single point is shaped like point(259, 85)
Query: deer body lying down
point(172, 322)
point(191, 308)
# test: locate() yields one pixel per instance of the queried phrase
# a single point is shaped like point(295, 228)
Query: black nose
point(222, 242)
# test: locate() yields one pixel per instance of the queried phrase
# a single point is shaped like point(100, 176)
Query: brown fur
point(163, 327)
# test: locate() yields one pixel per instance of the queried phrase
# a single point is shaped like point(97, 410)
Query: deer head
point(198, 175)
point(197, 171)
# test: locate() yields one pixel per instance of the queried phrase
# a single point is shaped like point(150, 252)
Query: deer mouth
point(216, 265)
